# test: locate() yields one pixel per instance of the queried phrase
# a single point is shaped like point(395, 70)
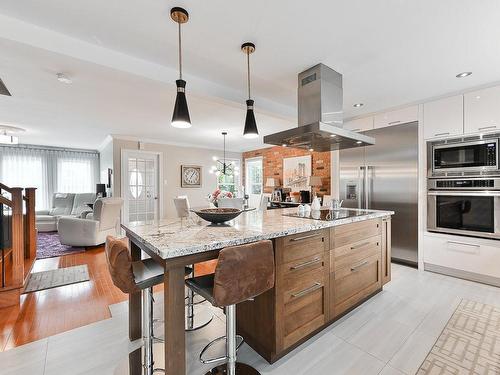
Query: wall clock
point(190, 176)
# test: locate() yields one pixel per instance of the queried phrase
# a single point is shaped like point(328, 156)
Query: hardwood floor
point(48, 312)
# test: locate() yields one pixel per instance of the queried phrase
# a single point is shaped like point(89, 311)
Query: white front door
point(140, 186)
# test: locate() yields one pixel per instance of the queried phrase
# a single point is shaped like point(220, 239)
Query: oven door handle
point(462, 193)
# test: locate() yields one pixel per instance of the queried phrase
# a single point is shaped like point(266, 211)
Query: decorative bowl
point(217, 215)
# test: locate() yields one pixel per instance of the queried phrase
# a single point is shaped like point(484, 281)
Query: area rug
point(58, 277)
point(49, 246)
point(469, 344)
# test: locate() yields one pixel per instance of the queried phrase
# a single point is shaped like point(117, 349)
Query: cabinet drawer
point(354, 283)
point(299, 267)
point(298, 246)
point(349, 255)
point(304, 312)
point(354, 232)
point(295, 287)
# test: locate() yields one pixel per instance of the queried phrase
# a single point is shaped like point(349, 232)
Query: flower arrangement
point(218, 193)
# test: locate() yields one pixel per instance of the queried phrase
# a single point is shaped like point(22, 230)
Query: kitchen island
point(324, 268)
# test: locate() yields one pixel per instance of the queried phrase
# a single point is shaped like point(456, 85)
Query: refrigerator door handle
point(369, 186)
point(362, 190)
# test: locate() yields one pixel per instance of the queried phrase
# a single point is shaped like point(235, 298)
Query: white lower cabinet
point(474, 255)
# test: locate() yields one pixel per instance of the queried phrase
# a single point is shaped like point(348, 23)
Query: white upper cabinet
point(360, 124)
point(444, 117)
point(399, 116)
point(482, 110)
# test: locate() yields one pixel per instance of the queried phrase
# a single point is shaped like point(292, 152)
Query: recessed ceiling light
point(359, 142)
point(357, 105)
point(283, 145)
point(61, 77)
point(333, 135)
point(311, 149)
point(463, 74)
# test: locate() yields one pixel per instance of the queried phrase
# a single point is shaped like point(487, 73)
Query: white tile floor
point(389, 335)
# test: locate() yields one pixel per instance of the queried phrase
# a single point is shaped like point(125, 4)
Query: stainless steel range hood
point(320, 98)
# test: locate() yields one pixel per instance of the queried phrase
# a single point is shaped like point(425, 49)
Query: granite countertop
point(176, 238)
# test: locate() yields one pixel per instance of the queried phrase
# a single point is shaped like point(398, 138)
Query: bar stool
point(196, 318)
point(242, 273)
point(132, 277)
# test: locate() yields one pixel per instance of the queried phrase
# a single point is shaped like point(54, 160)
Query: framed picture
point(296, 172)
point(191, 176)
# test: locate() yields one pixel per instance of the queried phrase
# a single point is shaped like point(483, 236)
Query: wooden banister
point(20, 256)
point(29, 226)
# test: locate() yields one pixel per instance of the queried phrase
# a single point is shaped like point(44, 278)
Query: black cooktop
point(329, 215)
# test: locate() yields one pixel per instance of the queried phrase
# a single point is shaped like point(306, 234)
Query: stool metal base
point(241, 369)
point(133, 365)
point(201, 316)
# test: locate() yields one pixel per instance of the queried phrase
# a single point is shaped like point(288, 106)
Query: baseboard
point(472, 276)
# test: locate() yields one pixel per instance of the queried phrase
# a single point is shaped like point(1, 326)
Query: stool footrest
point(212, 343)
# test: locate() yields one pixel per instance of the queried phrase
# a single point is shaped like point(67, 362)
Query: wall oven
point(468, 207)
point(467, 156)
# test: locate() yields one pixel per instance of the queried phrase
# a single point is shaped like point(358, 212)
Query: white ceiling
point(122, 55)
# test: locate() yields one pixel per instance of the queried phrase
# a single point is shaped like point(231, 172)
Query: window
point(253, 176)
point(75, 175)
point(230, 180)
point(49, 170)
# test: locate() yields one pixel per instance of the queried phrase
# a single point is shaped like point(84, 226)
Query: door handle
point(394, 122)
point(440, 134)
point(358, 266)
point(303, 237)
point(487, 127)
point(305, 264)
point(311, 289)
point(360, 245)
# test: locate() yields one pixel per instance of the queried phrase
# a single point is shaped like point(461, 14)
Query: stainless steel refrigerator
point(385, 177)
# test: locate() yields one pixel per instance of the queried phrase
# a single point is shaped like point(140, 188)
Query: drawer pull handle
point(394, 122)
point(360, 245)
point(438, 134)
point(303, 237)
point(487, 127)
point(305, 264)
point(311, 289)
point(355, 268)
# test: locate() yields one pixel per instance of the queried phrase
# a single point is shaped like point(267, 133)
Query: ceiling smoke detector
point(61, 77)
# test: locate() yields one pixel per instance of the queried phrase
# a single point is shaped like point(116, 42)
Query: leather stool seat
point(204, 286)
point(242, 273)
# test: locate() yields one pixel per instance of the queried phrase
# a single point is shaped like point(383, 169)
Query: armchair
point(104, 221)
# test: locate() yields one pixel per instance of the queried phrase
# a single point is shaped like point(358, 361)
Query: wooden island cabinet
point(320, 276)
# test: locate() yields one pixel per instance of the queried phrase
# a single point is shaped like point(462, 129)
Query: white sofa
point(63, 204)
point(92, 231)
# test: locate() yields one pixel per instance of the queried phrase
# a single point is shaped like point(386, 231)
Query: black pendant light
point(250, 124)
point(180, 117)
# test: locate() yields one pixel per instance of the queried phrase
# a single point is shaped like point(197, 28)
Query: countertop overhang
point(176, 238)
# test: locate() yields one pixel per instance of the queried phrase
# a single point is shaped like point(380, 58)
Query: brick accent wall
point(272, 162)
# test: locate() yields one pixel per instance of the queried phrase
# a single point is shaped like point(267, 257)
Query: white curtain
point(49, 170)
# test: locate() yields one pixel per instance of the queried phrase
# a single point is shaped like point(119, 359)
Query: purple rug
point(49, 246)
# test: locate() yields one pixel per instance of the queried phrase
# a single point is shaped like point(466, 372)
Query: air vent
point(472, 173)
point(455, 140)
point(492, 135)
point(471, 139)
point(3, 89)
point(452, 174)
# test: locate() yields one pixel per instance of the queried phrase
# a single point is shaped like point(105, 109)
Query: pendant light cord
point(248, 72)
point(180, 52)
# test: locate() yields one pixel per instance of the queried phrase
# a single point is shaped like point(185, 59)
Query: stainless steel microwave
point(468, 156)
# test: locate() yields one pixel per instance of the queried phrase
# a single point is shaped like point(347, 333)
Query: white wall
point(105, 162)
point(172, 159)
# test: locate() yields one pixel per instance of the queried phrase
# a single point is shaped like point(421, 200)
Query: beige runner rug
point(469, 344)
point(58, 277)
